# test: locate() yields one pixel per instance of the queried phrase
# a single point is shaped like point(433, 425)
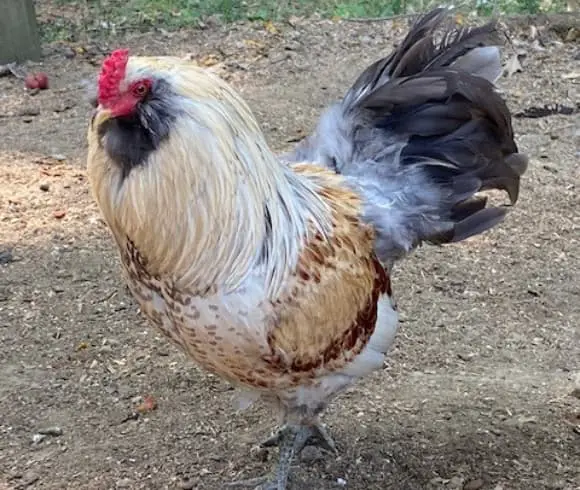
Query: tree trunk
point(19, 37)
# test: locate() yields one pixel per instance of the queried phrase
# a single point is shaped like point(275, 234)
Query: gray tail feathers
point(421, 132)
point(469, 50)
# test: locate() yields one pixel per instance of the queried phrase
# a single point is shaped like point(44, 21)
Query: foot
point(315, 435)
point(291, 439)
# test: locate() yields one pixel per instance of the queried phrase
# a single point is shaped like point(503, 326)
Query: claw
point(273, 440)
point(315, 435)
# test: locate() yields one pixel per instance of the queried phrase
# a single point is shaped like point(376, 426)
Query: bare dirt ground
point(481, 390)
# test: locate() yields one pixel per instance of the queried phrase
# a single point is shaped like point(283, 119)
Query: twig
point(381, 19)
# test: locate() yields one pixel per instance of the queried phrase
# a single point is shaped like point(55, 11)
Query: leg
point(291, 439)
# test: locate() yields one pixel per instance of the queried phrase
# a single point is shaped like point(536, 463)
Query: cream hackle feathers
point(198, 207)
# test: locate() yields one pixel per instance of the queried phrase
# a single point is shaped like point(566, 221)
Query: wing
point(420, 133)
point(329, 310)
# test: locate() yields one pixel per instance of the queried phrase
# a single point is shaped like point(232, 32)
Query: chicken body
point(275, 275)
point(283, 346)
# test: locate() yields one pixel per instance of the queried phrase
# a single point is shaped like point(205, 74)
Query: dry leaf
point(250, 43)
point(513, 65)
point(209, 60)
point(149, 404)
point(82, 346)
point(270, 27)
point(459, 19)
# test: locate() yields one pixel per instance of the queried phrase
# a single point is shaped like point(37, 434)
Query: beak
point(101, 116)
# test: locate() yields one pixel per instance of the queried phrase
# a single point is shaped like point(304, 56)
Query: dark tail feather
point(477, 223)
point(419, 53)
point(421, 132)
point(440, 98)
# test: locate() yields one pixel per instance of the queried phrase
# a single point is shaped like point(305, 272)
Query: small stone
point(186, 484)
point(438, 481)
point(38, 438)
point(29, 478)
point(44, 187)
point(456, 482)
point(474, 484)
point(124, 483)
point(341, 482)
point(58, 157)
point(6, 256)
point(259, 453)
point(466, 357)
point(51, 431)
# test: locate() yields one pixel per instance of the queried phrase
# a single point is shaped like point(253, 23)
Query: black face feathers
point(129, 140)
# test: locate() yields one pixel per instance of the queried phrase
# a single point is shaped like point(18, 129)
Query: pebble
point(260, 454)
point(124, 483)
point(28, 478)
point(44, 187)
point(466, 357)
point(456, 482)
point(474, 484)
point(186, 484)
point(341, 482)
point(38, 438)
point(6, 256)
point(51, 431)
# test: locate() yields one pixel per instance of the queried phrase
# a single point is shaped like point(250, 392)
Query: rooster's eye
point(140, 89)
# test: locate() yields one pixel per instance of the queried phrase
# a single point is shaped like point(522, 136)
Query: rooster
point(274, 271)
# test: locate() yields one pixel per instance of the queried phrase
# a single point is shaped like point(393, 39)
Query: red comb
point(112, 73)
